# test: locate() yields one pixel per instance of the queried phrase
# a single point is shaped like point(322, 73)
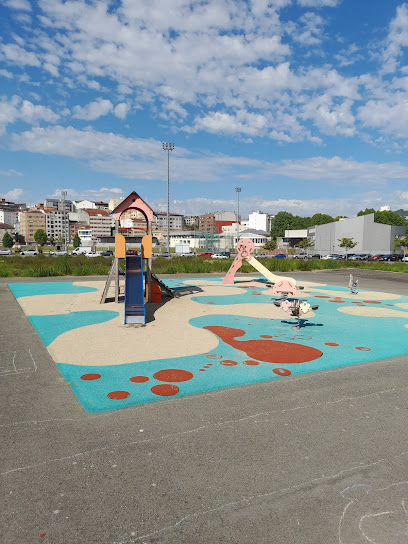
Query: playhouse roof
point(133, 201)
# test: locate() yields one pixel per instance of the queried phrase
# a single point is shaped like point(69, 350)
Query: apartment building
point(57, 224)
point(175, 221)
point(100, 222)
point(30, 222)
point(206, 222)
point(8, 217)
point(59, 204)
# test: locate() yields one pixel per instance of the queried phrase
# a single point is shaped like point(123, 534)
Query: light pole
point(237, 190)
point(64, 233)
point(168, 146)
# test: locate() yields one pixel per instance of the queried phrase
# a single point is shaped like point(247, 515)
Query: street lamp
point(168, 146)
point(64, 233)
point(237, 190)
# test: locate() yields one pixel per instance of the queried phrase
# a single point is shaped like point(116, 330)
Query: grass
point(45, 266)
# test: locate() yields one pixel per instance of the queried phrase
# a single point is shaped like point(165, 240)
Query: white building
point(175, 220)
point(56, 224)
point(261, 221)
point(9, 218)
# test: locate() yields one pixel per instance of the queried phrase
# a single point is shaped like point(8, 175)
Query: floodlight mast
point(238, 190)
point(168, 146)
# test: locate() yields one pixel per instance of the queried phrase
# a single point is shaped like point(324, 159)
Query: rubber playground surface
point(212, 337)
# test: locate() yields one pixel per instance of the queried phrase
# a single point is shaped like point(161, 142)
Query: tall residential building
point(100, 222)
point(175, 220)
point(261, 221)
point(90, 205)
point(57, 224)
point(206, 222)
point(30, 222)
point(59, 204)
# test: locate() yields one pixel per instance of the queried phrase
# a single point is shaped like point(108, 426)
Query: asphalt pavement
point(316, 459)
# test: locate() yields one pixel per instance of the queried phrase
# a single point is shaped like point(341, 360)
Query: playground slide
point(164, 287)
point(267, 273)
point(134, 295)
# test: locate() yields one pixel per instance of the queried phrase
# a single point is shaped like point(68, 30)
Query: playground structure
point(137, 267)
point(245, 248)
point(282, 286)
point(353, 285)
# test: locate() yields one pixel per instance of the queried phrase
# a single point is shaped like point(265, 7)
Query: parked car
point(332, 256)
point(218, 256)
point(92, 254)
point(29, 253)
point(405, 258)
point(107, 253)
point(279, 256)
point(363, 257)
point(205, 255)
point(395, 257)
point(315, 256)
point(58, 252)
point(385, 257)
point(6, 251)
point(300, 256)
point(81, 251)
point(374, 258)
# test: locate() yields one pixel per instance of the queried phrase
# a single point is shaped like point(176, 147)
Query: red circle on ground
point(118, 395)
point(173, 375)
point(362, 348)
point(337, 300)
point(165, 389)
point(389, 304)
point(265, 336)
point(202, 369)
point(330, 344)
point(371, 301)
point(227, 362)
point(139, 379)
point(321, 296)
point(250, 363)
point(282, 371)
point(90, 377)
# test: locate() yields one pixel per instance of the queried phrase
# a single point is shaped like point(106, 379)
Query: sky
point(303, 104)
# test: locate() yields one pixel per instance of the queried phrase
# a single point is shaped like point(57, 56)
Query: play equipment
point(245, 248)
point(134, 296)
point(353, 285)
point(136, 267)
point(295, 308)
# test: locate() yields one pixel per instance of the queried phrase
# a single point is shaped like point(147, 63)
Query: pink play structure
point(245, 248)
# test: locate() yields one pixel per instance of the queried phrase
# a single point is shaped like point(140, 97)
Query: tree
point(76, 242)
point(340, 217)
point(366, 211)
point(402, 242)
point(321, 219)
point(40, 237)
point(8, 240)
point(271, 244)
point(389, 218)
point(305, 243)
point(347, 243)
point(51, 240)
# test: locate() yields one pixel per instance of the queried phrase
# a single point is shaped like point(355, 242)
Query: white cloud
point(13, 195)
point(6, 73)
point(389, 116)
point(10, 173)
point(319, 3)
point(18, 55)
point(397, 39)
point(121, 110)
point(23, 5)
point(93, 110)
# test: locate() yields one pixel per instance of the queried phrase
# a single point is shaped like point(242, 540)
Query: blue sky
point(301, 103)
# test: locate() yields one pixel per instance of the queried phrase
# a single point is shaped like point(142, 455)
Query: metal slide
point(134, 295)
